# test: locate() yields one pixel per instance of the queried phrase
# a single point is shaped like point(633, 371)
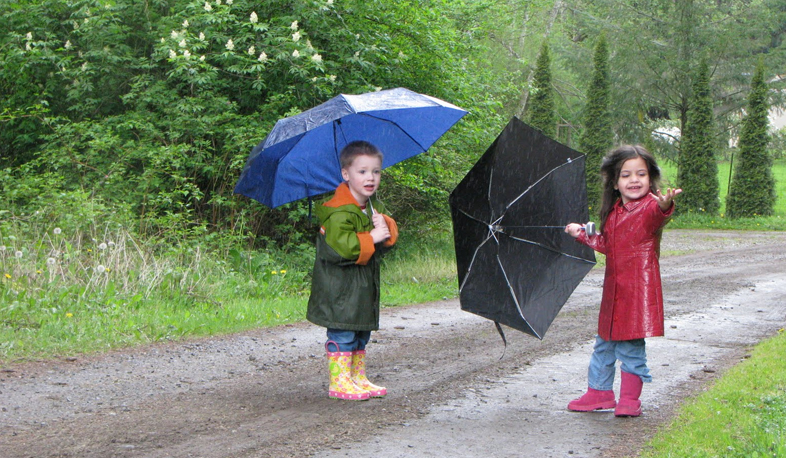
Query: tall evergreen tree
point(597, 137)
point(698, 171)
point(752, 190)
point(541, 110)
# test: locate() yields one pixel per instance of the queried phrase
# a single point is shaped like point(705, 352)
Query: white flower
point(254, 17)
point(309, 46)
point(172, 54)
point(84, 66)
point(295, 53)
point(67, 44)
point(186, 53)
point(50, 261)
point(2, 248)
point(296, 36)
point(110, 243)
point(29, 36)
point(18, 254)
point(27, 46)
point(377, 88)
point(262, 57)
point(57, 231)
point(332, 78)
point(202, 58)
point(208, 7)
point(293, 26)
point(218, 2)
point(182, 43)
point(252, 51)
point(174, 35)
point(201, 36)
point(314, 79)
point(229, 2)
point(163, 40)
point(316, 58)
point(185, 23)
point(230, 45)
point(329, 2)
point(100, 268)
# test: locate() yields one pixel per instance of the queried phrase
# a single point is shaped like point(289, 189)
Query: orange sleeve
point(393, 228)
point(366, 248)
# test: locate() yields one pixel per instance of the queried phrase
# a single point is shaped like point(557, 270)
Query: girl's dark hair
point(610, 171)
point(355, 149)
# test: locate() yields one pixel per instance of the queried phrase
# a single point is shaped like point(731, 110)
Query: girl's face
point(363, 176)
point(634, 180)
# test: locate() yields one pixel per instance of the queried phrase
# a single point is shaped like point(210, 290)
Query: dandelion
point(283, 272)
point(296, 36)
point(293, 26)
point(8, 276)
point(67, 44)
point(182, 43)
point(102, 246)
point(186, 54)
point(172, 54)
point(251, 51)
point(262, 57)
point(208, 8)
point(89, 250)
point(254, 18)
point(100, 268)
point(316, 58)
point(18, 254)
point(201, 36)
point(295, 53)
point(230, 45)
point(50, 261)
point(38, 271)
point(185, 24)
point(274, 272)
point(69, 315)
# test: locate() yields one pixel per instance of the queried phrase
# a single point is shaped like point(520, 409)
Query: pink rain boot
point(630, 390)
point(359, 375)
point(341, 384)
point(593, 400)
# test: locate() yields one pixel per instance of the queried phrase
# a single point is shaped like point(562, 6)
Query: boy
point(345, 288)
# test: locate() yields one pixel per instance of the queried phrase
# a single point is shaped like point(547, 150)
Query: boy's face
point(363, 177)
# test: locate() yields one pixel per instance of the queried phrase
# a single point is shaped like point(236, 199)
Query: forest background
point(124, 126)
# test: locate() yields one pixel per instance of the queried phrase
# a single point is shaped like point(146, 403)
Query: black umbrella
point(516, 265)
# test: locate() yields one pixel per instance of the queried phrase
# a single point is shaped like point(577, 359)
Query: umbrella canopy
point(516, 265)
point(299, 157)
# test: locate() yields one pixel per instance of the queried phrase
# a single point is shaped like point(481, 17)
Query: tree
point(541, 110)
point(752, 190)
point(597, 137)
point(698, 171)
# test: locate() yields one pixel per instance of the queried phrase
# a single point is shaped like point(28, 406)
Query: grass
point(742, 415)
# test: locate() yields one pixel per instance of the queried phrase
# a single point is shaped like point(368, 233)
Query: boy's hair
point(610, 171)
point(355, 149)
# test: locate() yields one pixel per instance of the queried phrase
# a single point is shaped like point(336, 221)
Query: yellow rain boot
point(341, 384)
point(358, 373)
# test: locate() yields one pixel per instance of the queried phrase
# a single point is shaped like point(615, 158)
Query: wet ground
point(264, 393)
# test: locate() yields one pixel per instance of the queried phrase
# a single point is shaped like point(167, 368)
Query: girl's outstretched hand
point(665, 200)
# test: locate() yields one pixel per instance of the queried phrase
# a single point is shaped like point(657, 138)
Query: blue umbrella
point(299, 157)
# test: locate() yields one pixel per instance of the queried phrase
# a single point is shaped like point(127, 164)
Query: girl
point(633, 213)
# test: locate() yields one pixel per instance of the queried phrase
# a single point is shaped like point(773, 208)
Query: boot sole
point(590, 408)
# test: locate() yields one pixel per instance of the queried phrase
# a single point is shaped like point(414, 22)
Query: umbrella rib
point(515, 299)
point(535, 183)
point(550, 249)
point(398, 126)
point(472, 262)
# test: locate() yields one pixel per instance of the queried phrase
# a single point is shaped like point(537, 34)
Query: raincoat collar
point(633, 204)
point(343, 196)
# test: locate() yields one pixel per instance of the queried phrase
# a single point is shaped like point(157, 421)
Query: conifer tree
point(541, 110)
point(698, 171)
point(752, 190)
point(597, 137)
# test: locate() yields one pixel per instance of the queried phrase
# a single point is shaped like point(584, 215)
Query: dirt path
point(264, 393)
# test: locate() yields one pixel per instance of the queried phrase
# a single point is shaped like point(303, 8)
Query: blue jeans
point(347, 340)
point(631, 353)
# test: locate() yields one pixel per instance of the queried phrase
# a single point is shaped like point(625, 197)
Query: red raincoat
point(632, 304)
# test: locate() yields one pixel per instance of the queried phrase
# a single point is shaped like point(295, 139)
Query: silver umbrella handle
point(589, 228)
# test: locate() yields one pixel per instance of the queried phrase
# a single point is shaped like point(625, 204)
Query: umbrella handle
point(589, 228)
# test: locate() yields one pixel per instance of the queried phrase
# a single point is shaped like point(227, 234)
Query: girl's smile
point(634, 180)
